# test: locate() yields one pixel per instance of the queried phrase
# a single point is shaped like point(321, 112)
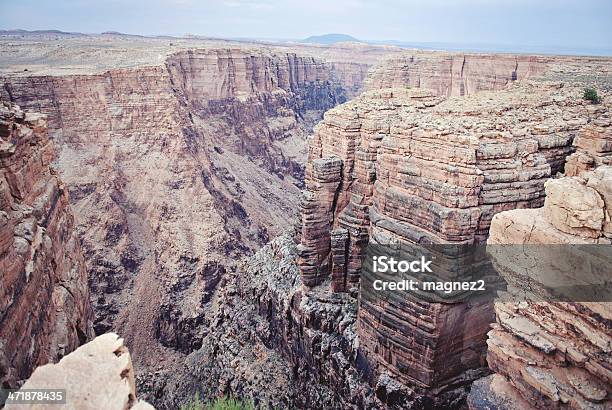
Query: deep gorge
point(178, 174)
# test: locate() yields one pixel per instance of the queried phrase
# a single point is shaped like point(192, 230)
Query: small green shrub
point(221, 403)
point(224, 403)
point(591, 95)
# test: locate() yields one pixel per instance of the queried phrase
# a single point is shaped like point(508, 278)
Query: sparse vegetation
point(590, 94)
point(221, 403)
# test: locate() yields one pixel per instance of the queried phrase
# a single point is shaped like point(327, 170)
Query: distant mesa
point(38, 33)
point(330, 39)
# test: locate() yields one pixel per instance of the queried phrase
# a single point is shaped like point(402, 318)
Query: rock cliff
point(176, 171)
point(593, 144)
point(408, 166)
point(179, 167)
point(45, 310)
point(551, 353)
point(454, 74)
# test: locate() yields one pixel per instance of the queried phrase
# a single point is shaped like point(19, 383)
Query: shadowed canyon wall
point(45, 310)
point(175, 172)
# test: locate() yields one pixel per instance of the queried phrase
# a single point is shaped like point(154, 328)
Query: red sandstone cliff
point(178, 169)
point(550, 353)
point(404, 165)
point(45, 310)
point(454, 74)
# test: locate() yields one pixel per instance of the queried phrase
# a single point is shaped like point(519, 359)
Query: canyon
point(183, 164)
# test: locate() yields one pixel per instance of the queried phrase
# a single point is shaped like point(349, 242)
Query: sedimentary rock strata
point(45, 310)
point(553, 354)
point(428, 169)
point(454, 74)
point(593, 143)
point(184, 160)
point(97, 375)
point(405, 165)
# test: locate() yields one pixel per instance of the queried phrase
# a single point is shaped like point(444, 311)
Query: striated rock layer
point(97, 375)
point(593, 144)
point(553, 354)
point(45, 310)
point(188, 160)
point(406, 166)
point(556, 354)
point(454, 74)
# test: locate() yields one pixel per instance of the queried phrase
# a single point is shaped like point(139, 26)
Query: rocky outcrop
point(454, 74)
point(593, 143)
point(443, 168)
point(406, 166)
point(97, 375)
point(553, 353)
point(45, 310)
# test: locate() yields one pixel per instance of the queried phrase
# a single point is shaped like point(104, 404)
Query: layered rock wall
point(549, 353)
point(174, 172)
point(259, 104)
point(593, 144)
point(404, 165)
point(553, 354)
point(441, 168)
point(454, 74)
point(45, 311)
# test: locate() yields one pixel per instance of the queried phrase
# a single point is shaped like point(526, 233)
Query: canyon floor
point(222, 192)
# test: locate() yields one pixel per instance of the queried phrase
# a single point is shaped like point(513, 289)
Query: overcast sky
point(569, 23)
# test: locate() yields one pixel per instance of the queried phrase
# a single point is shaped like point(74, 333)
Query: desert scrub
point(221, 403)
point(590, 94)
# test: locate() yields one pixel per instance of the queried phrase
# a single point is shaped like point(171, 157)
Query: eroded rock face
point(97, 374)
point(454, 74)
point(593, 146)
point(45, 310)
point(405, 165)
point(270, 341)
point(427, 169)
point(174, 173)
point(182, 131)
point(552, 354)
point(181, 166)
